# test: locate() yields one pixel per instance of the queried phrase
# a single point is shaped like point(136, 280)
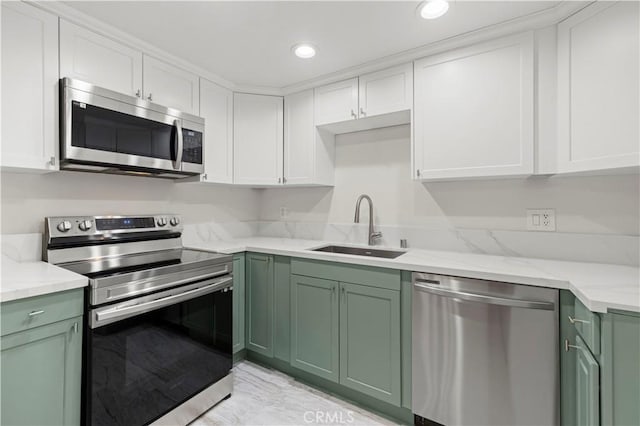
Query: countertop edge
point(12, 294)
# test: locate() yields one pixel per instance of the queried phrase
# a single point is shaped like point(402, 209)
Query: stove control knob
point(85, 225)
point(64, 226)
point(175, 221)
point(162, 221)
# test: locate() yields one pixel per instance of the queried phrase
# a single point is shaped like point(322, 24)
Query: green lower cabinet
point(314, 326)
point(599, 366)
point(238, 303)
point(620, 369)
point(259, 303)
point(405, 325)
point(282, 312)
point(579, 370)
point(370, 341)
point(587, 390)
point(41, 374)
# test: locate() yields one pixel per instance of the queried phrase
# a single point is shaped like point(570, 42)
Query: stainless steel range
point(157, 343)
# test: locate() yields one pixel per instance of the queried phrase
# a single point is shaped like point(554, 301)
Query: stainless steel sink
point(361, 251)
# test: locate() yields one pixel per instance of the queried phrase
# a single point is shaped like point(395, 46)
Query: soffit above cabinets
point(249, 42)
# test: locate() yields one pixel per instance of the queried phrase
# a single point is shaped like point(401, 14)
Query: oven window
point(142, 367)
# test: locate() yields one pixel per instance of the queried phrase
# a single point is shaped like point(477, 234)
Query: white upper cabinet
point(257, 139)
point(170, 86)
point(29, 88)
point(379, 99)
point(598, 88)
point(336, 102)
point(99, 60)
point(103, 62)
point(473, 112)
point(216, 107)
point(308, 152)
point(386, 91)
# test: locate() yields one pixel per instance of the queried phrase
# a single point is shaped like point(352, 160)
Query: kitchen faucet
point(372, 235)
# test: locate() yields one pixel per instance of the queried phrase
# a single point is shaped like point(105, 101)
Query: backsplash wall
point(28, 198)
point(597, 217)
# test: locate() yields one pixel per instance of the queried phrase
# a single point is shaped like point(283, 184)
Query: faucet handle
point(376, 235)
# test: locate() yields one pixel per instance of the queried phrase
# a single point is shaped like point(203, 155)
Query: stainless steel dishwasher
point(484, 352)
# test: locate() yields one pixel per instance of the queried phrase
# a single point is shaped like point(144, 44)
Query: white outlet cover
point(541, 220)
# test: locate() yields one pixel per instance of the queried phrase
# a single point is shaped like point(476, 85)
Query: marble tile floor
point(267, 397)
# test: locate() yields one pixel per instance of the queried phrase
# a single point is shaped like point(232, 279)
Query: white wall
point(374, 162)
point(378, 163)
point(27, 199)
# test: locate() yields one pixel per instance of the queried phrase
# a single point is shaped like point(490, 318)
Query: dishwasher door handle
point(481, 298)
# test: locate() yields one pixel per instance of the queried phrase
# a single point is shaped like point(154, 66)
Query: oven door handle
point(118, 313)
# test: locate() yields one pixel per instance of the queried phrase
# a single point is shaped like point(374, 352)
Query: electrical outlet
point(284, 212)
point(541, 219)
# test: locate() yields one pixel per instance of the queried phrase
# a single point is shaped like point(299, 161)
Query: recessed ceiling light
point(433, 9)
point(304, 50)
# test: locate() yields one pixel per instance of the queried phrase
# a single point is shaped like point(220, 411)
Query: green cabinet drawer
point(587, 324)
point(347, 273)
point(25, 314)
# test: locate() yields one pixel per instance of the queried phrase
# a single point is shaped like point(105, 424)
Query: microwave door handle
point(179, 145)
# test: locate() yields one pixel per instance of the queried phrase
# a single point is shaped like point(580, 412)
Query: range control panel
point(72, 226)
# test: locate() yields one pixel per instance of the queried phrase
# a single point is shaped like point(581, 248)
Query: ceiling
point(249, 43)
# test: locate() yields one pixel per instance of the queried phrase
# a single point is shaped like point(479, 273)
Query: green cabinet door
point(406, 326)
point(620, 369)
point(314, 326)
point(282, 313)
point(41, 373)
point(587, 386)
point(238, 303)
point(370, 341)
point(259, 303)
point(567, 360)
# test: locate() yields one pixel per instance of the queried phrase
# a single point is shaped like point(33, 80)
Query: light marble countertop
point(600, 287)
point(34, 278)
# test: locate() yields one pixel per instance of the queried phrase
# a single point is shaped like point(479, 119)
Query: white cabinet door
point(99, 60)
point(598, 88)
point(216, 107)
point(386, 91)
point(257, 139)
point(336, 102)
point(299, 138)
point(171, 86)
point(29, 87)
point(473, 112)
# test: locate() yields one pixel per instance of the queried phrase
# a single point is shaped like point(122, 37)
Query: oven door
point(145, 357)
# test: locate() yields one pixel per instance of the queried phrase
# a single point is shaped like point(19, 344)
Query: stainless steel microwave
point(108, 132)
